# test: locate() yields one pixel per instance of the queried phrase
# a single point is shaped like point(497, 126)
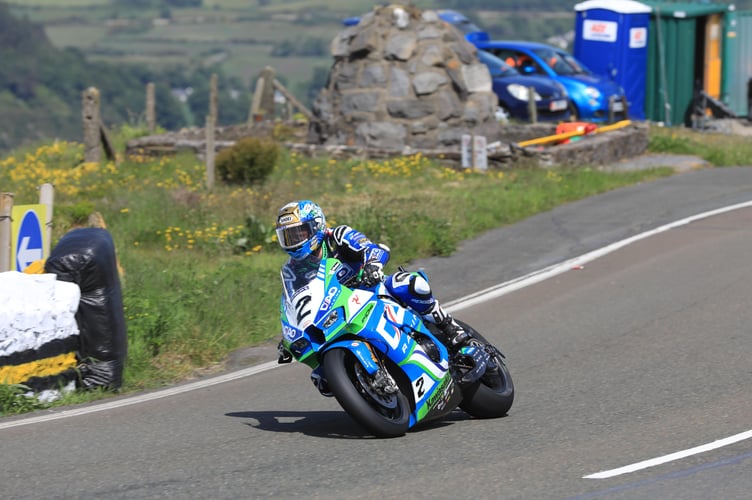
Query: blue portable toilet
point(611, 39)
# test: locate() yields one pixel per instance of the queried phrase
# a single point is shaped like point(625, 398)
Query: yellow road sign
point(28, 235)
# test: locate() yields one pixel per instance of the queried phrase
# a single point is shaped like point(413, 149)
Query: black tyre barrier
point(87, 257)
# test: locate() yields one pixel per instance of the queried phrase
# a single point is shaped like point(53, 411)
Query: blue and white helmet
point(300, 228)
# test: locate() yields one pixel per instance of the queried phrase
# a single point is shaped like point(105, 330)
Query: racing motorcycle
point(387, 368)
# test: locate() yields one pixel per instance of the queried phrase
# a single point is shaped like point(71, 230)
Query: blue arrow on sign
point(29, 245)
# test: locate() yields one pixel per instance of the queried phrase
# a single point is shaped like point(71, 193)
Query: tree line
point(41, 88)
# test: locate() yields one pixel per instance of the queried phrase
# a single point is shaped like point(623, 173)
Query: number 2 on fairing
point(421, 386)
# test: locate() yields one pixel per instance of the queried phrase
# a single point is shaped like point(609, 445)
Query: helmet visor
point(292, 237)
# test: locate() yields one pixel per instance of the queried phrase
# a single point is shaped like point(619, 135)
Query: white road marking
point(457, 305)
point(671, 457)
point(141, 398)
point(576, 262)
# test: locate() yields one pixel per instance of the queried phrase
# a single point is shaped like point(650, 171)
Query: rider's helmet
point(300, 228)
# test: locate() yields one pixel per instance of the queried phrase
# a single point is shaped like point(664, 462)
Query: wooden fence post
point(213, 98)
point(262, 104)
point(532, 108)
point(6, 210)
point(267, 96)
point(291, 100)
point(151, 117)
point(253, 113)
point(46, 198)
point(211, 122)
point(92, 139)
point(210, 153)
point(95, 135)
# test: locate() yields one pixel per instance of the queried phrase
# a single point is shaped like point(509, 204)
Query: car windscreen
point(561, 62)
point(496, 66)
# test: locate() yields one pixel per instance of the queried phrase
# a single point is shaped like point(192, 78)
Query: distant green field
point(262, 31)
point(75, 35)
point(58, 3)
point(275, 6)
point(237, 36)
point(193, 37)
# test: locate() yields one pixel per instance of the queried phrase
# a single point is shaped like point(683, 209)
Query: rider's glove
point(283, 355)
point(372, 274)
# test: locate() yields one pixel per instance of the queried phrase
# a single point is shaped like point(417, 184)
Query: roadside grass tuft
point(13, 400)
point(722, 150)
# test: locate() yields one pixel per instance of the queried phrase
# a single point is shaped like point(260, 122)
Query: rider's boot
point(455, 335)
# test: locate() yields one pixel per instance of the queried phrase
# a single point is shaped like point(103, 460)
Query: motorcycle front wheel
point(384, 415)
point(493, 394)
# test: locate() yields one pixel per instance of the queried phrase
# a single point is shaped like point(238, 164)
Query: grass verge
point(721, 150)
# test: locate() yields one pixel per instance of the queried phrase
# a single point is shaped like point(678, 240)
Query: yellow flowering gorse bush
point(61, 164)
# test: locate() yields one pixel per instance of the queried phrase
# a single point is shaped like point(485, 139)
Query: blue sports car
point(513, 91)
point(590, 95)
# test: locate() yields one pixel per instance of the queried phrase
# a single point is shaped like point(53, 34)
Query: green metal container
point(679, 38)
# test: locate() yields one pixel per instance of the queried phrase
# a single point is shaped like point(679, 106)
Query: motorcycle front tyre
point(359, 401)
point(491, 396)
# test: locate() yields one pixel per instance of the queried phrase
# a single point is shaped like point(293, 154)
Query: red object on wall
point(566, 127)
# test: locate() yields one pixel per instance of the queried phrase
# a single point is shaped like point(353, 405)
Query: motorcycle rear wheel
point(384, 416)
point(493, 394)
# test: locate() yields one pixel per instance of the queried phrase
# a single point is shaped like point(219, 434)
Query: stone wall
point(597, 149)
point(594, 149)
point(600, 149)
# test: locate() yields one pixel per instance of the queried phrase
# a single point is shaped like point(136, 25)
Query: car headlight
point(592, 92)
point(563, 89)
point(520, 92)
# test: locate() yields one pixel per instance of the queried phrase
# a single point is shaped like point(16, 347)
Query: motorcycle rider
point(302, 232)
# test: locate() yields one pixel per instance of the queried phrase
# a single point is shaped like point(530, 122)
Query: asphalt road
point(580, 227)
point(639, 354)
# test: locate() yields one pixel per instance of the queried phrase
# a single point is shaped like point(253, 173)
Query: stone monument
point(403, 78)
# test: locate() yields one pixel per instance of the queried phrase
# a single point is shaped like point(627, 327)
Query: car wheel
point(574, 115)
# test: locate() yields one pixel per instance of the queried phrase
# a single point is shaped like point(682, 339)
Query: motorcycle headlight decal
point(331, 319)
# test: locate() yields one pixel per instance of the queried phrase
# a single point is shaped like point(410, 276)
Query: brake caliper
point(383, 383)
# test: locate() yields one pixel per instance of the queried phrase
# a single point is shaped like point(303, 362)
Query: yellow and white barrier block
point(39, 335)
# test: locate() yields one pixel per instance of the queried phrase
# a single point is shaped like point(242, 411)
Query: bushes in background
point(249, 161)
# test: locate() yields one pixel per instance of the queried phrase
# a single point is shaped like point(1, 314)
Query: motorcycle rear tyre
point(339, 366)
point(488, 398)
